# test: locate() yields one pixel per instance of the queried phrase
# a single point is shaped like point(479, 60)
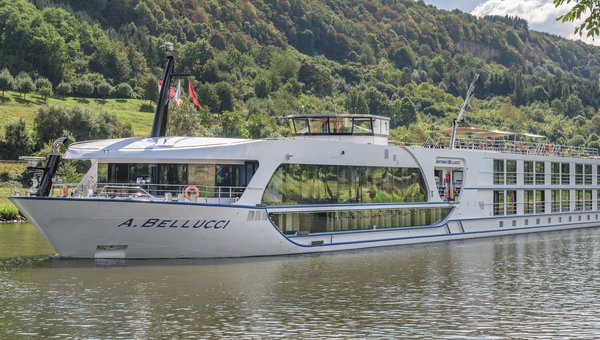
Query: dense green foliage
point(255, 61)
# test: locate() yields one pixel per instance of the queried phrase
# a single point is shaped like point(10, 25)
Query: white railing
point(518, 147)
point(161, 192)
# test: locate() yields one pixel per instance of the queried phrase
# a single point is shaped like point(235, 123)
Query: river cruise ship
point(336, 184)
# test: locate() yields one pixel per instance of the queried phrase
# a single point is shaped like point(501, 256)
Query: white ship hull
point(91, 228)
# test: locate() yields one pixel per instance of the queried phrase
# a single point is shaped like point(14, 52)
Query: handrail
point(147, 191)
point(516, 147)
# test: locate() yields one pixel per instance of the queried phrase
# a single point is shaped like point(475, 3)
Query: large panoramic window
point(331, 184)
point(297, 223)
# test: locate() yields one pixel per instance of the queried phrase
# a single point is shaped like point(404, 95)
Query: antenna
point(463, 108)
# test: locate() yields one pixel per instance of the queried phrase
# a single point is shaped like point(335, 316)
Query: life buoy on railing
point(191, 188)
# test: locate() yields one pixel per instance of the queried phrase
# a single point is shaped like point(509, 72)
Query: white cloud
point(534, 11)
point(541, 15)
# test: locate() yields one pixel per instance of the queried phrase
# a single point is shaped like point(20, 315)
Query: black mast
point(161, 114)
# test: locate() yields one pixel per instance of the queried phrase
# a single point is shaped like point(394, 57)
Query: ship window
point(318, 126)
point(566, 200)
point(578, 200)
point(298, 223)
point(565, 174)
point(511, 202)
point(103, 173)
point(362, 126)
point(505, 202)
point(499, 202)
point(555, 173)
point(528, 172)
point(340, 126)
point(578, 173)
point(588, 174)
point(511, 171)
point(498, 171)
point(528, 199)
point(555, 200)
point(301, 126)
point(588, 200)
point(540, 201)
point(332, 184)
point(540, 169)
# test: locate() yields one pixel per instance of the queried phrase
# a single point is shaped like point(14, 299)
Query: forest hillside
point(253, 62)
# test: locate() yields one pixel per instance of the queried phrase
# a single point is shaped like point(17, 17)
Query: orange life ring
point(191, 188)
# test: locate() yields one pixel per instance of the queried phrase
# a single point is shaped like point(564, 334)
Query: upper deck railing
point(516, 147)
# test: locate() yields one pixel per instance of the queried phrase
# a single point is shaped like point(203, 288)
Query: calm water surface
point(539, 285)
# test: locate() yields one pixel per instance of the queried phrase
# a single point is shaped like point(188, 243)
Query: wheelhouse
point(369, 129)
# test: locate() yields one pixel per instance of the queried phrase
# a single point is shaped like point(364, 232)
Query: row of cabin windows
point(230, 175)
point(534, 201)
point(534, 172)
point(332, 184)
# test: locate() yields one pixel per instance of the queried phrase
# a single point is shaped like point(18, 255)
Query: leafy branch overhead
point(588, 10)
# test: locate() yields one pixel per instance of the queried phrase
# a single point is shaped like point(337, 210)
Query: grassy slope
point(139, 113)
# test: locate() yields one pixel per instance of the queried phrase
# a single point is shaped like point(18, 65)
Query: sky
point(541, 14)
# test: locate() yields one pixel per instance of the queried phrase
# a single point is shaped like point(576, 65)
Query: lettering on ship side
point(181, 224)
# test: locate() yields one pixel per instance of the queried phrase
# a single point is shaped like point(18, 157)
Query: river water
point(538, 285)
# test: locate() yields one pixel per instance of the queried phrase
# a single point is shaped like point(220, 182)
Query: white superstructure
point(336, 185)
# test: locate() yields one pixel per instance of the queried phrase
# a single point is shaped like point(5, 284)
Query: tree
point(262, 87)
point(17, 140)
point(43, 87)
point(104, 89)
point(317, 79)
point(63, 89)
point(83, 88)
point(24, 83)
point(591, 24)
point(124, 90)
point(49, 123)
point(355, 102)
point(404, 113)
point(403, 57)
point(6, 80)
